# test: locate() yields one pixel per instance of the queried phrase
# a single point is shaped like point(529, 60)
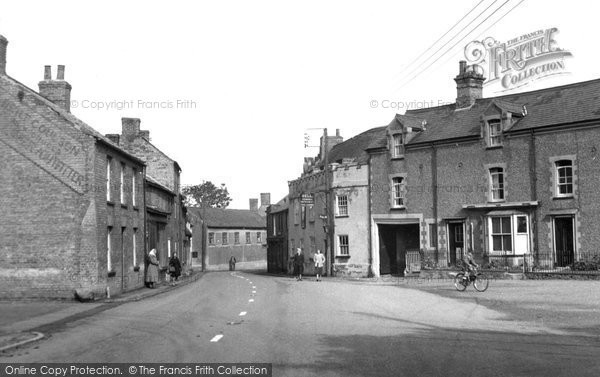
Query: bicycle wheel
point(460, 282)
point(481, 282)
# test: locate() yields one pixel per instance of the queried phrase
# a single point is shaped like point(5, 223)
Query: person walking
point(152, 271)
point(174, 268)
point(298, 264)
point(319, 263)
point(232, 262)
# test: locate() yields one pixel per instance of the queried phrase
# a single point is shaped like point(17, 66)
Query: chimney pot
point(337, 132)
point(462, 67)
point(3, 46)
point(60, 75)
point(47, 72)
point(469, 86)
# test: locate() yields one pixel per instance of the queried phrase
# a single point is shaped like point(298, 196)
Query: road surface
point(328, 328)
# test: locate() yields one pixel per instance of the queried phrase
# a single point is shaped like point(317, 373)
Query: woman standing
point(152, 272)
point(319, 263)
point(174, 268)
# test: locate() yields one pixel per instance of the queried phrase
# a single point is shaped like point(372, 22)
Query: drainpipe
point(370, 228)
point(533, 182)
point(434, 200)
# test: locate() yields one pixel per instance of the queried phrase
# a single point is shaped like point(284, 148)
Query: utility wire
point(451, 39)
point(446, 33)
point(454, 45)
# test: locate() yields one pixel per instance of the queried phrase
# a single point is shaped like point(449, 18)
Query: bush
point(590, 265)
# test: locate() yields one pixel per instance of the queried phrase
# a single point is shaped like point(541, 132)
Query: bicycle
point(479, 280)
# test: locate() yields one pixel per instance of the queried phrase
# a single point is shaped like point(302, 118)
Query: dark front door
point(563, 241)
point(456, 243)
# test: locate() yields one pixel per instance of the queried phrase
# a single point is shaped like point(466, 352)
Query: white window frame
point(397, 144)
point(108, 178)
point(500, 188)
point(398, 192)
point(211, 238)
point(248, 238)
point(224, 238)
point(134, 187)
point(557, 181)
point(109, 249)
point(511, 233)
point(236, 238)
point(259, 237)
point(341, 205)
point(494, 131)
point(343, 245)
point(122, 184)
point(169, 248)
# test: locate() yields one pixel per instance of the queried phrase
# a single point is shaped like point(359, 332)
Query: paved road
point(324, 328)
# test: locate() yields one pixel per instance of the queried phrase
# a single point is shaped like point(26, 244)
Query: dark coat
point(174, 261)
point(298, 263)
point(152, 272)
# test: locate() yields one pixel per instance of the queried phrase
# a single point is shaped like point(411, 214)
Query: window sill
point(343, 256)
point(341, 216)
point(490, 147)
point(398, 207)
point(112, 274)
point(563, 197)
point(136, 208)
point(399, 157)
point(496, 201)
point(124, 206)
point(110, 203)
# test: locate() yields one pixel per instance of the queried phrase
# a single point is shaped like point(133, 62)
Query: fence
point(544, 262)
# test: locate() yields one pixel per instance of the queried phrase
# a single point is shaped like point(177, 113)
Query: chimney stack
point(254, 205)
point(130, 128)
point(57, 91)
point(265, 199)
point(469, 85)
point(114, 138)
point(3, 45)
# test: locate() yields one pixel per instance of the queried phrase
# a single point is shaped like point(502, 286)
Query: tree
point(206, 195)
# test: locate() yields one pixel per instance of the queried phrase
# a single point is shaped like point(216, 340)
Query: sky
point(229, 88)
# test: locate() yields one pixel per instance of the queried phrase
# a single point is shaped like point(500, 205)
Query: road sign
point(307, 199)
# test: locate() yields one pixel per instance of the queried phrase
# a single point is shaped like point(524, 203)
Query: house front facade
point(509, 178)
point(72, 201)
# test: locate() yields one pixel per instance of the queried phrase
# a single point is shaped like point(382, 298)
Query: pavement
point(22, 322)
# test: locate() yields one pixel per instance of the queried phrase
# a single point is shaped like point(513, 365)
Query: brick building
point(71, 200)
point(220, 233)
point(166, 220)
point(512, 178)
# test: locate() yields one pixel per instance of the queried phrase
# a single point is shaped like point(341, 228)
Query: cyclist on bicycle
point(469, 264)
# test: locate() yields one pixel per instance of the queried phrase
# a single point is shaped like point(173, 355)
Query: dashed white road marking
point(251, 300)
point(243, 313)
point(216, 338)
point(254, 287)
point(253, 291)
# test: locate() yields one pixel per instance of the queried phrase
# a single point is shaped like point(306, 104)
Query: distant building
point(72, 201)
point(229, 232)
point(277, 237)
